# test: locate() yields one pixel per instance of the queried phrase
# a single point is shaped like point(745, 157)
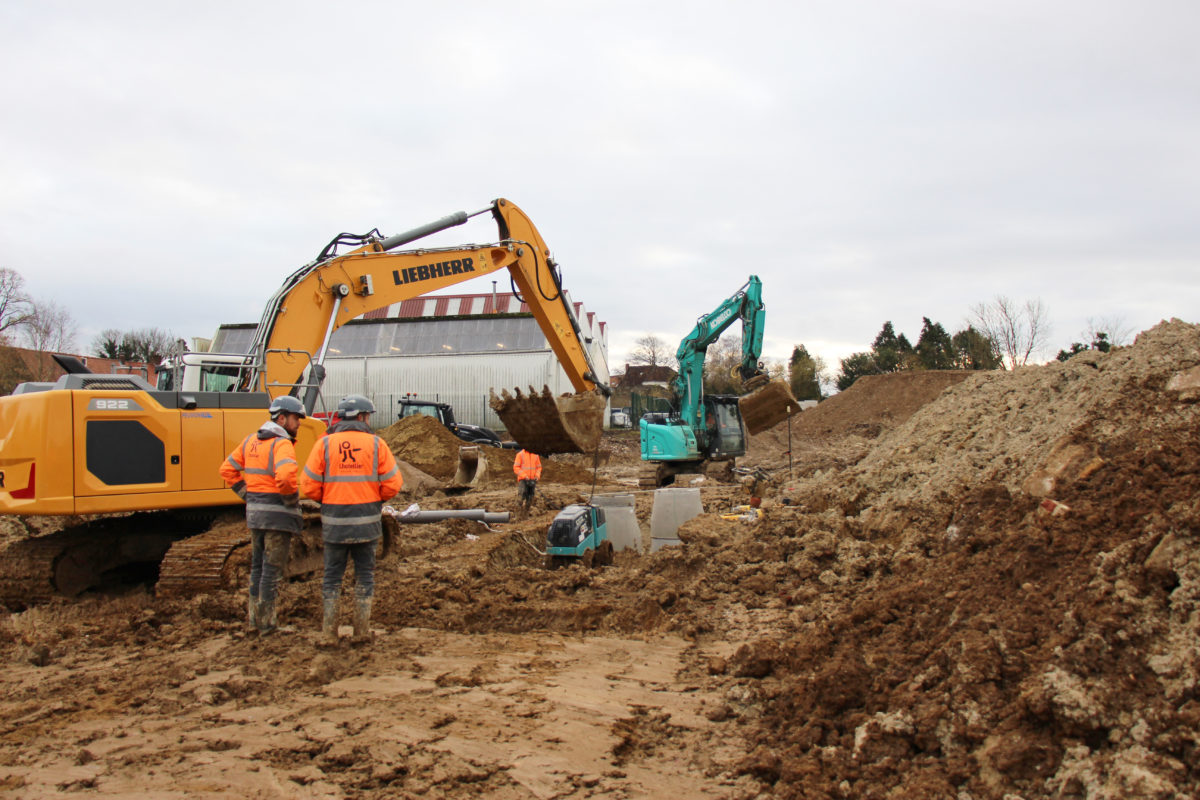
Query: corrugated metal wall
point(462, 380)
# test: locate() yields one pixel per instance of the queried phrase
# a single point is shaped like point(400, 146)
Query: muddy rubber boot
point(362, 621)
point(329, 631)
point(252, 616)
point(268, 621)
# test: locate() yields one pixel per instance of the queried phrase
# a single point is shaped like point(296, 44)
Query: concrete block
point(621, 519)
point(672, 508)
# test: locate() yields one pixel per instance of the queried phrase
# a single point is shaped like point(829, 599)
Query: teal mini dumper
point(578, 535)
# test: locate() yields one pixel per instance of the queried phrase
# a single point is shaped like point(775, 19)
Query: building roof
point(454, 305)
point(434, 325)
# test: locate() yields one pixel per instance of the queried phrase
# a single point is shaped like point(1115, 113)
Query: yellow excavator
point(91, 444)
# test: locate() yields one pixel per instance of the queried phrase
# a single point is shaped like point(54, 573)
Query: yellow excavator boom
point(334, 289)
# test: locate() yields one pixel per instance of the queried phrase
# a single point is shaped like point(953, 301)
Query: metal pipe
point(420, 232)
point(477, 514)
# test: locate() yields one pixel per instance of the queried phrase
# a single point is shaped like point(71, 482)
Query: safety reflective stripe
point(351, 479)
point(234, 464)
point(375, 459)
point(283, 461)
point(369, 519)
point(257, 471)
point(389, 473)
point(313, 475)
point(261, 504)
point(349, 510)
point(270, 512)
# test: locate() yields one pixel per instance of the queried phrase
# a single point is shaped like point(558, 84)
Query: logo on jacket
point(348, 450)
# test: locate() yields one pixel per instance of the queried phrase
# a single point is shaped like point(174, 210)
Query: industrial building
point(448, 348)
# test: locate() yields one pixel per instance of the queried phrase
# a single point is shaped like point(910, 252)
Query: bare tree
point(1118, 331)
point(49, 328)
point(107, 344)
point(651, 350)
point(15, 306)
point(720, 361)
point(150, 345)
point(1019, 330)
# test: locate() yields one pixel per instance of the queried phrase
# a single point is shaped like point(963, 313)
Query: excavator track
point(29, 568)
point(219, 560)
point(649, 475)
point(198, 564)
point(192, 552)
point(91, 553)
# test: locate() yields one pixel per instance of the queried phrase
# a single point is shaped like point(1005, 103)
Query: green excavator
point(712, 428)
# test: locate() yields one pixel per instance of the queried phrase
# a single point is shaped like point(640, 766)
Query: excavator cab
point(725, 436)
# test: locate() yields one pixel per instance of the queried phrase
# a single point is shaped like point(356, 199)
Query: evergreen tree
point(890, 352)
point(804, 375)
point(934, 350)
point(975, 350)
point(854, 367)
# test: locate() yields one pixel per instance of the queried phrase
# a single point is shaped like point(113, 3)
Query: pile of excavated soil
point(427, 445)
point(872, 405)
point(999, 599)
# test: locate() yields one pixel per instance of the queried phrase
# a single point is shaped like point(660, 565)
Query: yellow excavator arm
point(335, 288)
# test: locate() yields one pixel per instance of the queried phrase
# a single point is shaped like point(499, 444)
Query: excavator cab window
point(219, 379)
point(418, 409)
point(729, 438)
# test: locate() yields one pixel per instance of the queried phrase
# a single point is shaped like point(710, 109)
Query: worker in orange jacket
point(350, 471)
point(262, 470)
point(528, 468)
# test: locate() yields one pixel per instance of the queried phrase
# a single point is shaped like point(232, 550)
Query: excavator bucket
point(472, 466)
point(765, 408)
point(545, 424)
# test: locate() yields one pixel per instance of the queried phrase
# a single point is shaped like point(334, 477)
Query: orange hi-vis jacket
point(351, 471)
point(262, 469)
point(528, 466)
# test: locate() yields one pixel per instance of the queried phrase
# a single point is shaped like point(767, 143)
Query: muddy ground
point(962, 586)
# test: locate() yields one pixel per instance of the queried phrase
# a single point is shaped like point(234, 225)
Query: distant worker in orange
point(528, 468)
point(350, 471)
point(262, 470)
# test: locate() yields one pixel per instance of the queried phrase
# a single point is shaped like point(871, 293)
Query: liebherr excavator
point(97, 444)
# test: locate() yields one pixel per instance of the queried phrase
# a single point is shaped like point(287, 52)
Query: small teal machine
point(578, 534)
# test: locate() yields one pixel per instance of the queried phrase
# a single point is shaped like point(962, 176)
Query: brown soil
point(979, 586)
point(426, 444)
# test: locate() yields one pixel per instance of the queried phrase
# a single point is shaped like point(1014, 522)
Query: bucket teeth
point(545, 424)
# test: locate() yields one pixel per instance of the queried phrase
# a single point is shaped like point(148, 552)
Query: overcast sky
point(167, 164)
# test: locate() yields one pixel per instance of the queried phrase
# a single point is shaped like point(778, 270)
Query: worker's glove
point(239, 488)
point(309, 505)
point(292, 500)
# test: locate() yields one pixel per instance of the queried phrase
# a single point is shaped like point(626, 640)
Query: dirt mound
point(997, 598)
point(873, 404)
point(427, 445)
point(424, 443)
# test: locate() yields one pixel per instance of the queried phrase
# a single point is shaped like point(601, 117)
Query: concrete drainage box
point(619, 514)
point(672, 508)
